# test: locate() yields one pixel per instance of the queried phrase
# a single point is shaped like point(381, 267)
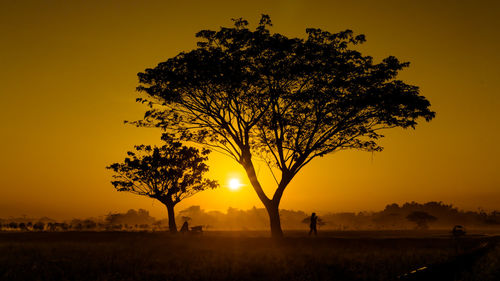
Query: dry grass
point(218, 256)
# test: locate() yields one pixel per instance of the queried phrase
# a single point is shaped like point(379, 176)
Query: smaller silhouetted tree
point(169, 173)
point(421, 219)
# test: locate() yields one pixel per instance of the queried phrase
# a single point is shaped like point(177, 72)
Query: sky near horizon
point(68, 72)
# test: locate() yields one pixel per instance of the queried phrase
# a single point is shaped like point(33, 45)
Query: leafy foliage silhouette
point(421, 219)
point(169, 173)
point(253, 94)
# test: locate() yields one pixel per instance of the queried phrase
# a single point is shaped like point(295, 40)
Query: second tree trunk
point(171, 218)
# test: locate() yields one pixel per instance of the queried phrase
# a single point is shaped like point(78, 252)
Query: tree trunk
point(272, 206)
point(274, 219)
point(171, 218)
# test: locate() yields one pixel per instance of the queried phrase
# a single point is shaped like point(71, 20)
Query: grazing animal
point(197, 229)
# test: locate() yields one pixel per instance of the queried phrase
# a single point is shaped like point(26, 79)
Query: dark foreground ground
point(247, 256)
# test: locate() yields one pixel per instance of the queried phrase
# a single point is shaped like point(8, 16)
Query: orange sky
point(68, 78)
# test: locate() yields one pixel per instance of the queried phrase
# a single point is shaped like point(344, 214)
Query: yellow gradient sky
point(68, 77)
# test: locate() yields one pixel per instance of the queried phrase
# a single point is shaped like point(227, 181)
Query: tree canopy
point(169, 173)
point(285, 100)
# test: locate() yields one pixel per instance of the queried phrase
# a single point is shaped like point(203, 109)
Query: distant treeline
point(394, 216)
point(139, 220)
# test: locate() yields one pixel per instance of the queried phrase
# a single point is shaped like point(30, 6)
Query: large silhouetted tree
point(169, 174)
point(253, 94)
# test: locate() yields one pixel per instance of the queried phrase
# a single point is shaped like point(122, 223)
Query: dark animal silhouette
point(197, 229)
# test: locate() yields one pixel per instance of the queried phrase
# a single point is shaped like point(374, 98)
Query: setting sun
point(234, 184)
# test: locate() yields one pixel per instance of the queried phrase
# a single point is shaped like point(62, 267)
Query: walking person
point(314, 220)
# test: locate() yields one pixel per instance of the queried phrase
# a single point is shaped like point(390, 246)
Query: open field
point(383, 255)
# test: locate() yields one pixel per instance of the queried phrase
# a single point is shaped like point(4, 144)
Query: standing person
point(314, 220)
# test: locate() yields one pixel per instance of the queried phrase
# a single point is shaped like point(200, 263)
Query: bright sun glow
point(234, 184)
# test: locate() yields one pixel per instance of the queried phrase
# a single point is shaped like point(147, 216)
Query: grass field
point(237, 256)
